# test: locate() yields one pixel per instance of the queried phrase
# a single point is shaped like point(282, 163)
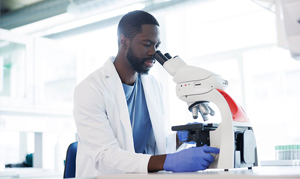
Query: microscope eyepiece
point(168, 56)
point(160, 57)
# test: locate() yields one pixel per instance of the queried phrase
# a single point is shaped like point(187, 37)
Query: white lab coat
point(105, 141)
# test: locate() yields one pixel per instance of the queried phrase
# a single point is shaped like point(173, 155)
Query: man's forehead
point(150, 28)
point(150, 32)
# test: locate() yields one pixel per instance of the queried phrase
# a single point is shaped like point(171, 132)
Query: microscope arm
point(191, 81)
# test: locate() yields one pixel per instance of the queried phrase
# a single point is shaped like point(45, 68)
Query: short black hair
point(131, 23)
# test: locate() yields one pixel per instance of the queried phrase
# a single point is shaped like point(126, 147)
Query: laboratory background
point(48, 46)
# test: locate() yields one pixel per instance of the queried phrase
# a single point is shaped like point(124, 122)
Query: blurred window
point(12, 69)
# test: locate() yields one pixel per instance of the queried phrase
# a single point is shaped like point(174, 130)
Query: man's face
point(142, 48)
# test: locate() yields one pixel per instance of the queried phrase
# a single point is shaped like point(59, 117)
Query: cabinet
point(37, 76)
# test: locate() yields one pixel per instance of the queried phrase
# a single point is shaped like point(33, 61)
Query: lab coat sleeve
point(96, 136)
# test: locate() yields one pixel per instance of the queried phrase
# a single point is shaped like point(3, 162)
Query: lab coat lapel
point(117, 94)
point(156, 115)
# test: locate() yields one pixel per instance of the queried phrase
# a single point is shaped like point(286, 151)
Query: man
point(119, 111)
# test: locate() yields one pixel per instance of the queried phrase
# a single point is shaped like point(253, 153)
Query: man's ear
point(124, 41)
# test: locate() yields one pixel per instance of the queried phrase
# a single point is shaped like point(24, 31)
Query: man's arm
point(156, 163)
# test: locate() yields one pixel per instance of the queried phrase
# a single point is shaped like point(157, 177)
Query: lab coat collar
point(109, 68)
point(115, 85)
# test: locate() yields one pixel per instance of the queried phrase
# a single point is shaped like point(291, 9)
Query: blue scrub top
point(139, 115)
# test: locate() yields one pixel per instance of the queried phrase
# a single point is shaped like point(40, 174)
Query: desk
point(256, 172)
point(29, 173)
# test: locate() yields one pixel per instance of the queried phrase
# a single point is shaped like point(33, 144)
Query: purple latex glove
point(190, 160)
point(183, 135)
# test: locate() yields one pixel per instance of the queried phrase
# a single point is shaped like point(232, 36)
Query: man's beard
point(136, 63)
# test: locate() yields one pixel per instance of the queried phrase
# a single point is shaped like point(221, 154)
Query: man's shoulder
point(90, 82)
point(98, 74)
point(92, 77)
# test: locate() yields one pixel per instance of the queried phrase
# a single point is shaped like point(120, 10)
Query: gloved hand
point(191, 159)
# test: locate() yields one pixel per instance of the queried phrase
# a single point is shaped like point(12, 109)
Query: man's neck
point(125, 71)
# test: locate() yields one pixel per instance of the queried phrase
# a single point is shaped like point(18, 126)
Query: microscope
point(233, 135)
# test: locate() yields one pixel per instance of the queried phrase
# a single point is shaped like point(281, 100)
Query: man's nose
point(152, 50)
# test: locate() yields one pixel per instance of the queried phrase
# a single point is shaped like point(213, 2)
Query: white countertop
point(256, 172)
point(29, 173)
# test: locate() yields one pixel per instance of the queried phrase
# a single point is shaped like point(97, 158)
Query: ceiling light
point(95, 18)
point(67, 21)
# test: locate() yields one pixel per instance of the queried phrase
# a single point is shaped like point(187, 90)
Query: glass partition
point(12, 75)
point(56, 79)
point(16, 71)
point(35, 74)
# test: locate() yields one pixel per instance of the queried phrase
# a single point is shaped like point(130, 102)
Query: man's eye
point(147, 45)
